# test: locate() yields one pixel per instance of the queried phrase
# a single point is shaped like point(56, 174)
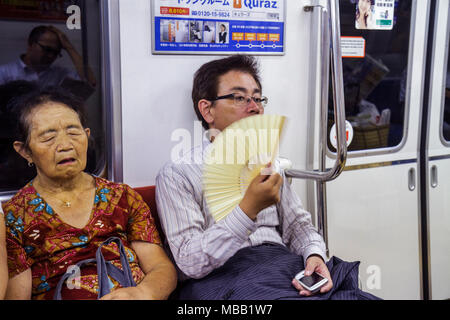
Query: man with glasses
point(45, 44)
point(255, 252)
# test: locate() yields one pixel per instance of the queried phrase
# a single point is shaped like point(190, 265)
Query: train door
point(437, 157)
point(373, 211)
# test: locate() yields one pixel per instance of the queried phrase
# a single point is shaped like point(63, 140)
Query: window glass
point(375, 65)
point(446, 122)
point(49, 43)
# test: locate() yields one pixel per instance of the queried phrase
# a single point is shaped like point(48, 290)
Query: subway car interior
point(366, 98)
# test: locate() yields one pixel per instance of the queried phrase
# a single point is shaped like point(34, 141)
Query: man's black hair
point(206, 79)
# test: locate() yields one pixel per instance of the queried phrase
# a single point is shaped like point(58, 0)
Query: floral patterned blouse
point(38, 239)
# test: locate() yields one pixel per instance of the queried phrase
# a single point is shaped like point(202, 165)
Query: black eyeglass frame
point(51, 50)
point(262, 103)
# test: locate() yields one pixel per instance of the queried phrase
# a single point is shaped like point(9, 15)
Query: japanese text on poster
point(218, 26)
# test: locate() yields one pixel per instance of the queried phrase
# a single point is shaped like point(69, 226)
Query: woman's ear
point(205, 106)
point(20, 149)
point(88, 132)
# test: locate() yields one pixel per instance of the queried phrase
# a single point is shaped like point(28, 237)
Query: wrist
point(315, 255)
point(145, 293)
point(248, 209)
point(69, 48)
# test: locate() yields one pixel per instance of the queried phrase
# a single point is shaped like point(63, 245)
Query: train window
point(375, 76)
point(446, 120)
point(49, 43)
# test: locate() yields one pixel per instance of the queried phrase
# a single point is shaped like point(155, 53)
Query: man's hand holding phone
point(315, 277)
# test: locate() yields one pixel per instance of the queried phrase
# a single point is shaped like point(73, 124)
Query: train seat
point(148, 194)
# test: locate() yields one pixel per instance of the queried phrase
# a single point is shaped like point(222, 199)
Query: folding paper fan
point(236, 157)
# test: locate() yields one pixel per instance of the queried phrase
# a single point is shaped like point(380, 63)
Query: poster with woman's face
point(374, 14)
point(222, 32)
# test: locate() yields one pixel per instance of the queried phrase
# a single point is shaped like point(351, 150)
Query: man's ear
point(88, 132)
point(204, 106)
point(20, 149)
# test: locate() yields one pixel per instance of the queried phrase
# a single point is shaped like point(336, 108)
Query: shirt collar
point(22, 64)
point(206, 141)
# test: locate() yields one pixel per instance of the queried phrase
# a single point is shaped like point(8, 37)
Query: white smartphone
point(311, 283)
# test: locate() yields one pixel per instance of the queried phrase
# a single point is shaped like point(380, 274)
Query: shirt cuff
point(238, 223)
point(313, 250)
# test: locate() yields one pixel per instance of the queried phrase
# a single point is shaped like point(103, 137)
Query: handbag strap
point(104, 269)
point(58, 289)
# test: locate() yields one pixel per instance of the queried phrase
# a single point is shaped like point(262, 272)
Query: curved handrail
point(331, 21)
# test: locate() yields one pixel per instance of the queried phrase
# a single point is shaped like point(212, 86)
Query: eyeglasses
point(53, 51)
point(243, 101)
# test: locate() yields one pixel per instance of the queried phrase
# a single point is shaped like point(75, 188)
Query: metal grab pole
point(331, 22)
point(330, 37)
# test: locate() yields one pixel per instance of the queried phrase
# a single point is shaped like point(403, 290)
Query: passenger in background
point(44, 47)
point(256, 251)
point(59, 220)
point(3, 265)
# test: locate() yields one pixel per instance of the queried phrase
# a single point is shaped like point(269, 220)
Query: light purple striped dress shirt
point(53, 76)
point(199, 245)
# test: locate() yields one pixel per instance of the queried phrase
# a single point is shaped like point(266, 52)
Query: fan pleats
point(237, 156)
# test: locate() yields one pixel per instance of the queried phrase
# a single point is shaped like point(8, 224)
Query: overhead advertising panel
point(218, 26)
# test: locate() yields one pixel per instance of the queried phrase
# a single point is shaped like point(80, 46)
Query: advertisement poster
point(218, 26)
point(374, 14)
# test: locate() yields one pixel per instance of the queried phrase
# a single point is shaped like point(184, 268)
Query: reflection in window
point(49, 43)
point(375, 85)
point(446, 122)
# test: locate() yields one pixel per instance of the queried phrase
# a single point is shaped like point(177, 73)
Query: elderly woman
point(64, 215)
point(3, 267)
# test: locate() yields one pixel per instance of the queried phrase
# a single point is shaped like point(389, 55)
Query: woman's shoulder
point(102, 184)
point(119, 191)
point(371, 22)
point(19, 200)
point(22, 194)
